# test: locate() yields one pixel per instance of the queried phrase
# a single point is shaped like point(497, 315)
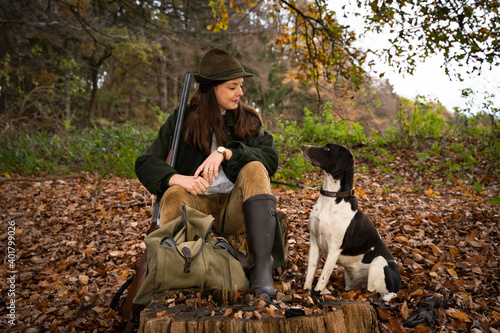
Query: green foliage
point(440, 27)
point(457, 148)
point(5, 68)
point(108, 150)
point(469, 157)
point(418, 120)
point(377, 155)
point(160, 115)
point(477, 142)
point(316, 130)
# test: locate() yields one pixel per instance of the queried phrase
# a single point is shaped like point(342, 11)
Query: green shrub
point(448, 151)
point(418, 121)
point(318, 130)
point(108, 150)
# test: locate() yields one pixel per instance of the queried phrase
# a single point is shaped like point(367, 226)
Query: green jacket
point(155, 174)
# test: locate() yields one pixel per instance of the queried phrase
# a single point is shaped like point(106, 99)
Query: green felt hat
point(218, 65)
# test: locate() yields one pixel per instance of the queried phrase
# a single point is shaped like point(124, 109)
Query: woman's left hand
point(209, 169)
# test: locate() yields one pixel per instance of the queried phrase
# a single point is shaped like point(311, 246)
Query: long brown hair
point(205, 120)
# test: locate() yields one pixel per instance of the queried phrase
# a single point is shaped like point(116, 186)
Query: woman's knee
point(253, 180)
point(174, 194)
point(254, 170)
point(171, 202)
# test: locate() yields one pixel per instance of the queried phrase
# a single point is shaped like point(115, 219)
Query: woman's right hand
point(191, 184)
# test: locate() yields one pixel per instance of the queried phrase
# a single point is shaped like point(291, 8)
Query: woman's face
point(228, 94)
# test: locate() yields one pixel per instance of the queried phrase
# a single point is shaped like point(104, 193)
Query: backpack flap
point(197, 224)
point(189, 251)
point(191, 239)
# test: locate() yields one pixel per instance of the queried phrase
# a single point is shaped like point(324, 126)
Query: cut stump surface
point(194, 314)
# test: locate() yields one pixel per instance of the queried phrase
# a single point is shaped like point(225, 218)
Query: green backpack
point(182, 255)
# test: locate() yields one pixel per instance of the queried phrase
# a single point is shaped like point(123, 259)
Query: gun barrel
point(180, 117)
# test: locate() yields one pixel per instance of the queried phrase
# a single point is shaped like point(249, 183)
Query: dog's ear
point(343, 161)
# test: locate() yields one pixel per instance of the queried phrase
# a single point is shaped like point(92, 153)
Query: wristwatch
point(222, 150)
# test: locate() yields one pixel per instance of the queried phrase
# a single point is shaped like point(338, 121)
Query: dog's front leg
point(331, 261)
point(312, 264)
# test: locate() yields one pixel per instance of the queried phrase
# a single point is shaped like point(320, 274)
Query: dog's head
point(332, 158)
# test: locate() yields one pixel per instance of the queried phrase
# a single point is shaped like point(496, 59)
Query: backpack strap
point(242, 258)
point(237, 254)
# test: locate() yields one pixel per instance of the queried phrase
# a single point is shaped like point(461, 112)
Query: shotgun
point(130, 310)
point(174, 145)
point(172, 153)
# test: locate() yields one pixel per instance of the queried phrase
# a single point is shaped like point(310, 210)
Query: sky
point(428, 79)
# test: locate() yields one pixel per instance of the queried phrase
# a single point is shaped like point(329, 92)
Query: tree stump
point(202, 311)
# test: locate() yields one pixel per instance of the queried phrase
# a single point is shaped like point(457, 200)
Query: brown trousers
point(252, 180)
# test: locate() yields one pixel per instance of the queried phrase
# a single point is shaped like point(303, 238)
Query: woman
point(224, 162)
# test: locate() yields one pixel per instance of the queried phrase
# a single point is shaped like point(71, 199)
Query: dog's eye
point(326, 149)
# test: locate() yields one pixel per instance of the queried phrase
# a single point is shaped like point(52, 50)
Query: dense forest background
point(72, 64)
point(91, 62)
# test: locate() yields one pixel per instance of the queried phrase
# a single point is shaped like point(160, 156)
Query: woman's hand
point(192, 184)
point(209, 169)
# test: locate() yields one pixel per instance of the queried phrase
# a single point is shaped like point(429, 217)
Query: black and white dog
point(343, 232)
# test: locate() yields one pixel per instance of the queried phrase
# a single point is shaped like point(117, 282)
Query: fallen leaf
point(404, 310)
point(260, 305)
point(402, 239)
point(71, 223)
point(452, 272)
point(256, 315)
point(228, 312)
point(454, 251)
point(238, 315)
point(454, 313)
point(384, 314)
point(418, 292)
point(115, 253)
point(435, 250)
point(162, 314)
point(84, 279)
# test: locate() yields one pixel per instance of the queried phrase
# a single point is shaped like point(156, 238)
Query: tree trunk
point(175, 88)
point(94, 68)
point(162, 82)
point(335, 316)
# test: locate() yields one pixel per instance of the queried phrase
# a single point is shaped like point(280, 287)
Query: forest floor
point(75, 241)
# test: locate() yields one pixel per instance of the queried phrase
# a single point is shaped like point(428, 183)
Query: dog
point(343, 232)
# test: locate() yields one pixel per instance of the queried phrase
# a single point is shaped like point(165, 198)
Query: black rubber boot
point(260, 221)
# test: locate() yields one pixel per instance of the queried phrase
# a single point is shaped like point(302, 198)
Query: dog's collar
point(344, 194)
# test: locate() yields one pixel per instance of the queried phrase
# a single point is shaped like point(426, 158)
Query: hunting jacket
point(155, 174)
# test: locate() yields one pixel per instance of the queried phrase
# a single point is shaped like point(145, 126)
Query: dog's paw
point(387, 297)
point(315, 293)
point(325, 291)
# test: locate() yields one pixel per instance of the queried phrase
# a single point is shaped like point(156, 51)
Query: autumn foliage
point(76, 240)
